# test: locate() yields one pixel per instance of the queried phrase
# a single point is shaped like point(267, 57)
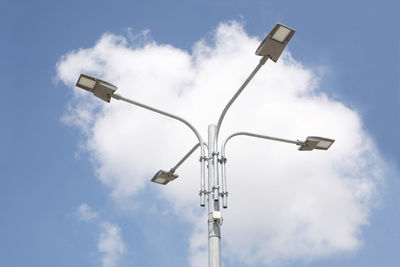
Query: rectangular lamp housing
point(163, 177)
point(316, 142)
point(275, 42)
point(99, 88)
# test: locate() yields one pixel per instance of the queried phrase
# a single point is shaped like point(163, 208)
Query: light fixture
point(316, 142)
point(163, 177)
point(99, 88)
point(274, 43)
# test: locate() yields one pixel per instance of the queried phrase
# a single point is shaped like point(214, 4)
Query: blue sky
point(47, 172)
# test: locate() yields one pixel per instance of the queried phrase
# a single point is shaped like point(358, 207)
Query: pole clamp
point(203, 192)
point(203, 158)
point(222, 160)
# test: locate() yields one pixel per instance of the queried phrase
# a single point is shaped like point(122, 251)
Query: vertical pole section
point(214, 232)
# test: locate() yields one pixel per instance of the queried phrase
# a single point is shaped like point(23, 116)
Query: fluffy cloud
point(284, 204)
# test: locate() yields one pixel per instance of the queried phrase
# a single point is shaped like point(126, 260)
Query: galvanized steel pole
point(214, 231)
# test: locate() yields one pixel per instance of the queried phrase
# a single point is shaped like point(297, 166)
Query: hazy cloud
point(86, 213)
point(110, 244)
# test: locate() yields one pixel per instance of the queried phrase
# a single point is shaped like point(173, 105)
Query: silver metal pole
point(214, 231)
point(202, 157)
point(223, 178)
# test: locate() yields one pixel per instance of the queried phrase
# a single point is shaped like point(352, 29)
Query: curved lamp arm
point(271, 47)
point(297, 142)
point(201, 143)
point(223, 159)
point(221, 117)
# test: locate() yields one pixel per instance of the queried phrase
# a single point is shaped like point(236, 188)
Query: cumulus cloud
point(284, 204)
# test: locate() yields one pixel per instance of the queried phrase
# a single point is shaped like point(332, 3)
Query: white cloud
point(110, 244)
point(284, 204)
point(86, 213)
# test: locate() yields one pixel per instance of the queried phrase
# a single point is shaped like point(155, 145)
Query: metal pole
point(214, 232)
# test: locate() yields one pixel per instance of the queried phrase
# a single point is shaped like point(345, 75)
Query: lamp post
point(270, 48)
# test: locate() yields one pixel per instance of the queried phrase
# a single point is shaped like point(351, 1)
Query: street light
point(271, 47)
point(99, 88)
point(316, 142)
point(163, 177)
point(312, 142)
point(273, 44)
point(106, 91)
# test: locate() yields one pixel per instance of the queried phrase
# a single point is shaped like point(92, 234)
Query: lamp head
point(275, 42)
point(316, 142)
point(163, 177)
point(99, 88)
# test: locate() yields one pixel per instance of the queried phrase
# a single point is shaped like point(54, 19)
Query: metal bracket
point(300, 143)
point(205, 192)
point(203, 158)
point(222, 160)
